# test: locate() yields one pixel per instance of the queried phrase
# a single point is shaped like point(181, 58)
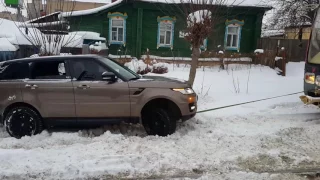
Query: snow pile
point(220, 52)
point(259, 51)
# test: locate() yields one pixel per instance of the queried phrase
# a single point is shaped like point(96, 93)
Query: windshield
point(122, 70)
point(314, 47)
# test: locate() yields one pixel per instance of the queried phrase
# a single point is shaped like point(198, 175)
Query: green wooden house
point(133, 27)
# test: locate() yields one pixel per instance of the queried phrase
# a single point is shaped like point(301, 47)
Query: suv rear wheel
point(158, 121)
point(23, 121)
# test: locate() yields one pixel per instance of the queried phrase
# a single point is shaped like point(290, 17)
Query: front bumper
point(189, 109)
point(187, 117)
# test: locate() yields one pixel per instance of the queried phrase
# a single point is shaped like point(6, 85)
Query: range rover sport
point(44, 92)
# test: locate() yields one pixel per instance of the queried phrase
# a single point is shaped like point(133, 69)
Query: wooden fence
point(295, 50)
point(201, 62)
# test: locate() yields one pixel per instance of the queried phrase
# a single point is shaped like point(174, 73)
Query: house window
point(117, 28)
point(165, 32)
point(233, 34)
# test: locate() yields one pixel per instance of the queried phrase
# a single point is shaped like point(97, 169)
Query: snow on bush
point(277, 58)
point(160, 68)
point(138, 66)
point(260, 51)
point(221, 52)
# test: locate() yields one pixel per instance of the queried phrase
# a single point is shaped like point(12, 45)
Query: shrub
point(160, 68)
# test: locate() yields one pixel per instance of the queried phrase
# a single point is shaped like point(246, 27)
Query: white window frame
point(123, 31)
point(232, 34)
point(165, 33)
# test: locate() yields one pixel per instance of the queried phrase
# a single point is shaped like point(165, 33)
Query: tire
point(159, 122)
point(23, 121)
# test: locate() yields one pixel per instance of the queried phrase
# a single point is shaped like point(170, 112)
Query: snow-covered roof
point(38, 18)
point(15, 35)
point(91, 11)
point(5, 45)
point(244, 3)
point(89, 35)
point(18, 36)
point(270, 33)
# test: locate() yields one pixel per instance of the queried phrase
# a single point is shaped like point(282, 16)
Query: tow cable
point(249, 102)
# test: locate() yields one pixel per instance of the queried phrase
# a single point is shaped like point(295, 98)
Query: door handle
point(83, 86)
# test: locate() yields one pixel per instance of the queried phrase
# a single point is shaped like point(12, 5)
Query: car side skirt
point(88, 122)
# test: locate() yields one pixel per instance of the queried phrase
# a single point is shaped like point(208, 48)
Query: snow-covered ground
point(234, 143)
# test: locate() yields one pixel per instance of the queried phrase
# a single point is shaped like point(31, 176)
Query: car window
point(87, 69)
point(18, 70)
point(123, 71)
point(48, 70)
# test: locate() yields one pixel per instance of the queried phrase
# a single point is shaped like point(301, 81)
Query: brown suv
point(88, 90)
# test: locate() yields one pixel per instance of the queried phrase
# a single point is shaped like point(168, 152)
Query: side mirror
point(109, 76)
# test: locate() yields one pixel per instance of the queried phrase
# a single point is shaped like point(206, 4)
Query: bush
point(160, 68)
point(138, 66)
point(142, 68)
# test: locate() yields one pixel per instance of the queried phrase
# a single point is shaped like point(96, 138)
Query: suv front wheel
point(158, 121)
point(23, 121)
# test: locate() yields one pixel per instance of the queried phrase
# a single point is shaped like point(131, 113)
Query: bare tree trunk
point(194, 65)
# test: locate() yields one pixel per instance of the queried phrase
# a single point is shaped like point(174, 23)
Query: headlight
point(184, 91)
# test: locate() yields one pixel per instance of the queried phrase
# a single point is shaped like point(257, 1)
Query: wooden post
point(284, 62)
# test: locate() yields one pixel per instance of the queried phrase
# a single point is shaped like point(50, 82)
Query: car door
point(96, 98)
point(49, 89)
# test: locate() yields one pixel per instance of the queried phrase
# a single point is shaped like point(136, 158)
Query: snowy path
point(235, 143)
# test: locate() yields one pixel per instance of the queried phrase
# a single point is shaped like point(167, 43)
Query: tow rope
point(249, 102)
